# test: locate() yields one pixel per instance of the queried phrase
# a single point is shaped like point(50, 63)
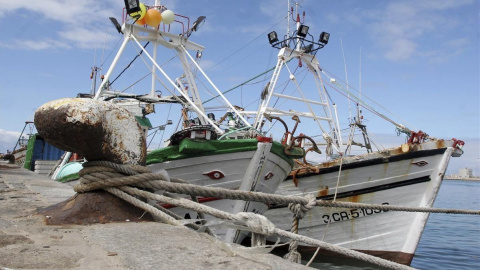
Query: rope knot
point(300, 210)
point(257, 223)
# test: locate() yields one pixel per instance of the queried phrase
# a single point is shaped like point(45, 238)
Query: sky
point(419, 59)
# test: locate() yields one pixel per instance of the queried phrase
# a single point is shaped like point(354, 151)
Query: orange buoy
point(141, 21)
point(153, 17)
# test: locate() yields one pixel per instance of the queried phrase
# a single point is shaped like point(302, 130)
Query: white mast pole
point(152, 91)
point(195, 107)
point(215, 87)
point(112, 67)
point(346, 79)
point(360, 73)
point(288, 18)
point(298, 26)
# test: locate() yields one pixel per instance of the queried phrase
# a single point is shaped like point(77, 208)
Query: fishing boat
point(32, 152)
point(407, 175)
point(205, 151)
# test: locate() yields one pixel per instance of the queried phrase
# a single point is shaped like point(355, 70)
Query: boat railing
point(166, 27)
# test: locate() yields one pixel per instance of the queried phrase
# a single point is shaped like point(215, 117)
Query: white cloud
point(442, 5)
point(65, 11)
point(400, 49)
point(35, 45)
point(8, 140)
point(399, 27)
point(77, 22)
point(85, 38)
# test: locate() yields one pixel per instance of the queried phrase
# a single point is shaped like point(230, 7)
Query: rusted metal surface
point(440, 143)
point(95, 129)
point(323, 191)
point(93, 207)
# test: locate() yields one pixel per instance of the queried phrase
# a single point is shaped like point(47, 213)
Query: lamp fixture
point(272, 37)
point(132, 6)
point(324, 36)
point(116, 24)
point(199, 22)
point(302, 31)
point(196, 25)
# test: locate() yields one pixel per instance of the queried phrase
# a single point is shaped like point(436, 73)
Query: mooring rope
point(123, 180)
point(190, 189)
point(249, 221)
point(396, 208)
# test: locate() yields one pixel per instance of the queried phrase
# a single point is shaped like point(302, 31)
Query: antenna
point(288, 18)
point(360, 75)
point(346, 79)
point(93, 76)
point(104, 44)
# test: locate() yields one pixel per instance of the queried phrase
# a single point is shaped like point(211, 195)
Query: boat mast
point(152, 91)
point(181, 45)
point(356, 122)
point(297, 25)
point(299, 46)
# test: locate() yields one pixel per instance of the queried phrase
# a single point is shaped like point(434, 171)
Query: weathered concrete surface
point(93, 207)
point(97, 130)
point(27, 243)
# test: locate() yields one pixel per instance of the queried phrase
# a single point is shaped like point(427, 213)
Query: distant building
point(463, 174)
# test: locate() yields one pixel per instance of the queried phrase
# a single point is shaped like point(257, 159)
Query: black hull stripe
point(376, 161)
point(368, 190)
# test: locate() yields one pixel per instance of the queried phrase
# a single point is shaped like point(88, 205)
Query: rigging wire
point(163, 133)
point(131, 62)
point(139, 80)
point(116, 45)
point(346, 78)
point(362, 103)
point(158, 79)
point(244, 83)
point(248, 43)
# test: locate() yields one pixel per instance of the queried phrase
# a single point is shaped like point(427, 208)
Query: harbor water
point(452, 241)
point(448, 241)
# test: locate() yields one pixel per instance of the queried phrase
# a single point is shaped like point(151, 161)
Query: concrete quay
point(27, 243)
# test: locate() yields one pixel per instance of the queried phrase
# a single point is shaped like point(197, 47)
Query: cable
point(130, 63)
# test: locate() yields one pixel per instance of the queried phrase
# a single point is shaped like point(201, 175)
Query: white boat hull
point(410, 179)
point(260, 171)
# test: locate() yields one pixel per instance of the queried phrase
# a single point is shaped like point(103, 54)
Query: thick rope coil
point(125, 169)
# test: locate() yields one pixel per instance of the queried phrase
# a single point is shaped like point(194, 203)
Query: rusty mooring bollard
point(98, 130)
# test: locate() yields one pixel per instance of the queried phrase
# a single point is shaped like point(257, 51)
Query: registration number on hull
point(352, 214)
